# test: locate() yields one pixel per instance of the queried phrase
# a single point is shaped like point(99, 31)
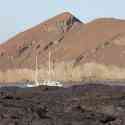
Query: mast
point(49, 65)
point(36, 72)
point(51, 71)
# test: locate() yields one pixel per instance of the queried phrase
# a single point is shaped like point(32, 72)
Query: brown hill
point(20, 51)
point(101, 41)
point(104, 41)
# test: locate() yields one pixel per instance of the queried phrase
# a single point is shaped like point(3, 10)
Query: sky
point(19, 15)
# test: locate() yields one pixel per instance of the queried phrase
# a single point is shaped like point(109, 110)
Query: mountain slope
point(70, 41)
point(37, 41)
point(104, 41)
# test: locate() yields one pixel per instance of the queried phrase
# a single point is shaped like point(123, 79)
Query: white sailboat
point(49, 82)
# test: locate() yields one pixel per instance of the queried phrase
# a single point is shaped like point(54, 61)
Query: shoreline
point(68, 84)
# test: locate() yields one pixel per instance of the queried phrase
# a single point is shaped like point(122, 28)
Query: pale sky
point(19, 15)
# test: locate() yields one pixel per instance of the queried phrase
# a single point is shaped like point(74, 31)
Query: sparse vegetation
point(66, 72)
point(61, 25)
point(103, 45)
point(64, 25)
point(107, 44)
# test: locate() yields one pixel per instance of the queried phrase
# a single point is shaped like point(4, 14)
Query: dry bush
point(66, 72)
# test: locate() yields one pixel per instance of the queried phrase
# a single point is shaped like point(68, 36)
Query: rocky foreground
point(90, 104)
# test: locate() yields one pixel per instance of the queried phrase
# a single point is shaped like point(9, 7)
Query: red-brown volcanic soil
point(69, 40)
point(20, 51)
point(90, 104)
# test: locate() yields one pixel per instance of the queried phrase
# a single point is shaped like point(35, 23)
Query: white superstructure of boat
point(44, 82)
